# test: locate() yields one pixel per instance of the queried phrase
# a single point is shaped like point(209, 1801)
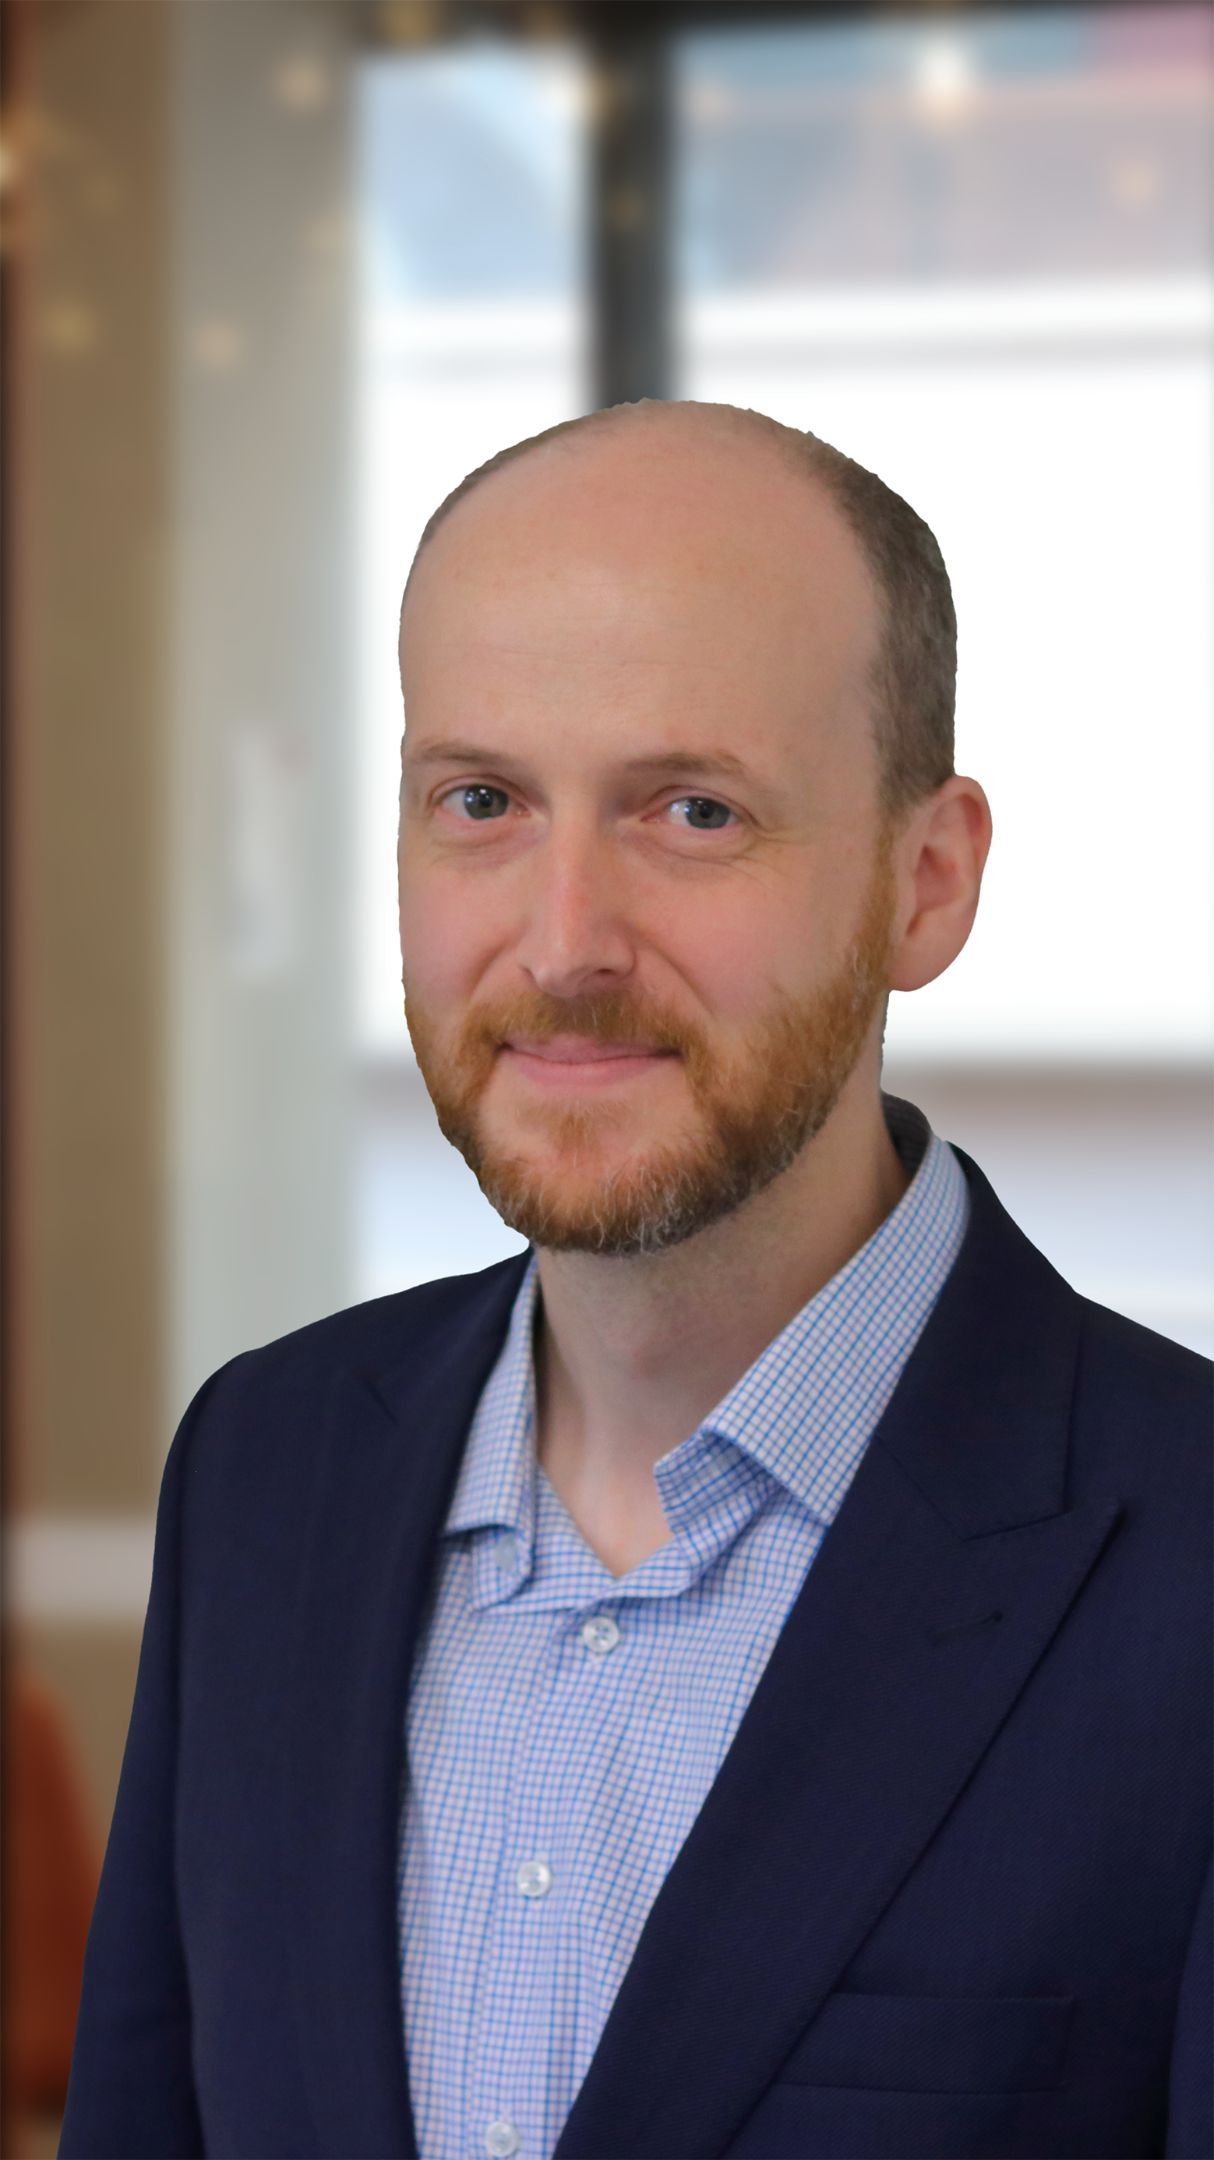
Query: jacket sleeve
point(1191, 2081)
point(131, 2092)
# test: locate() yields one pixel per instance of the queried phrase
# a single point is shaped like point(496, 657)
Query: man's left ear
point(940, 855)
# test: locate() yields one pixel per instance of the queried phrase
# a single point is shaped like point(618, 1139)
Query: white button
point(600, 1635)
point(506, 1555)
point(534, 1879)
point(501, 2138)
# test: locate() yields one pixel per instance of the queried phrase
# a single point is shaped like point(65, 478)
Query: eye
point(476, 796)
point(703, 805)
point(481, 803)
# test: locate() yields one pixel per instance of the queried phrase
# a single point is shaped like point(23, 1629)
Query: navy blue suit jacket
point(950, 1892)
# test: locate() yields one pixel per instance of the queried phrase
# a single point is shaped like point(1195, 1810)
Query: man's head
point(677, 772)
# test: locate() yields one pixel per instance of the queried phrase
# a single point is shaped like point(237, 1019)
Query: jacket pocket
point(935, 2043)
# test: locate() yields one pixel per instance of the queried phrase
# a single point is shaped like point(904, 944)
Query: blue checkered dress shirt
point(564, 1725)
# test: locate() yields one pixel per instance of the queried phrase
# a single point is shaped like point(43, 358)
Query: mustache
point(612, 1021)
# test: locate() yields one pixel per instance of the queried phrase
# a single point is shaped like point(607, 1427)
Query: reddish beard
point(757, 1109)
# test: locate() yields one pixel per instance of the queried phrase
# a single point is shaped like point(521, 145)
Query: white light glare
point(944, 76)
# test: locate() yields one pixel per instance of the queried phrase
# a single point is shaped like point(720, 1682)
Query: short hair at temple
point(914, 669)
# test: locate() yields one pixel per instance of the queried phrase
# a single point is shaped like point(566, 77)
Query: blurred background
point(279, 274)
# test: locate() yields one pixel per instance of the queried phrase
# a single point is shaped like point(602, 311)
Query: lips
point(572, 1050)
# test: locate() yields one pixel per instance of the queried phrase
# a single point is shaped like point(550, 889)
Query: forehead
point(648, 573)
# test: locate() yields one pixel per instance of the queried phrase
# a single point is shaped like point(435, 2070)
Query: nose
point(576, 935)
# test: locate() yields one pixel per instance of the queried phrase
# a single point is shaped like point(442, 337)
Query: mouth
point(581, 1049)
point(567, 1061)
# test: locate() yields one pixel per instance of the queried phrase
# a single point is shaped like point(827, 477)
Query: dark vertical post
point(629, 203)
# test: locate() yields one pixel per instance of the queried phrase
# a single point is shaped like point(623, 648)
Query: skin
point(666, 587)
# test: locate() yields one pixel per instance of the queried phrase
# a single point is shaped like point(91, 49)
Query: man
point(733, 1679)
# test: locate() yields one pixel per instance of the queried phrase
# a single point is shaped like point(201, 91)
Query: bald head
point(667, 544)
point(712, 531)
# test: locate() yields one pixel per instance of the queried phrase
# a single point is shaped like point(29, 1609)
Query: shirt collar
point(804, 1409)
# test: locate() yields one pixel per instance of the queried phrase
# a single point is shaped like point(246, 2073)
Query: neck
point(631, 1353)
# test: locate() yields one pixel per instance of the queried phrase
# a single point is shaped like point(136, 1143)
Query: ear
point(941, 854)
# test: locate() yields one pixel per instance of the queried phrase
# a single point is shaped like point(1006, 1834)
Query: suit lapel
point(389, 1451)
point(951, 1563)
point(947, 1570)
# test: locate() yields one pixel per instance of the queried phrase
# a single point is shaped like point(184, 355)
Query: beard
point(754, 1108)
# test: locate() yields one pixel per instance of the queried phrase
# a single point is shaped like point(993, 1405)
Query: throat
point(619, 1518)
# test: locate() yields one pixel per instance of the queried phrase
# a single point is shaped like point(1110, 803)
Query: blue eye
point(702, 803)
point(477, 790)
point(478, 799)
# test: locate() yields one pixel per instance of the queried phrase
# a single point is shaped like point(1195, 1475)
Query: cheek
point(739, 955)
point(439, 940)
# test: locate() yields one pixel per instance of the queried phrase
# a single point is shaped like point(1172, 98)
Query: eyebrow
point(721, 763)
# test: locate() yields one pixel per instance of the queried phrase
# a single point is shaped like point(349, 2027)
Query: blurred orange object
point(53, 1871)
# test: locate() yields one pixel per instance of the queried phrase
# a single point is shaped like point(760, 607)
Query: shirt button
point(534, 1879)
point(600, 1635)
point(501, 2138)
point(506, 1555)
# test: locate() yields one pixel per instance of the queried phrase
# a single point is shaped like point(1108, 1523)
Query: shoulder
point(379, 1329)
point(1143, 1417)
point(290, 1377)
point(1005, 1292)
point(1142, 1368)
point(264, 1434)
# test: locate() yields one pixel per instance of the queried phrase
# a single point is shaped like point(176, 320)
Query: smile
point(556, 1068)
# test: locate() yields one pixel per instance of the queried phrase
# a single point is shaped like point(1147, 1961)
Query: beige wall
point(92, 540)
point(89, 468)
point(179, 769)
point(93, 543)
